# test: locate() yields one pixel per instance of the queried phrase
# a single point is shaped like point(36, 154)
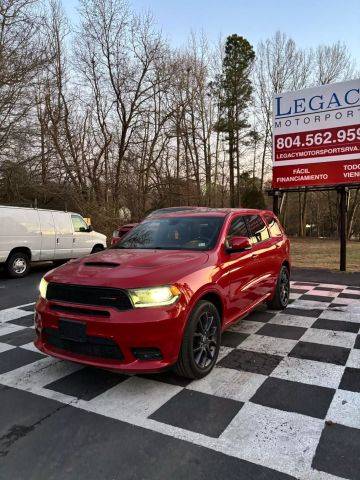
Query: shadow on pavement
point(17, 291)
point(323, 275)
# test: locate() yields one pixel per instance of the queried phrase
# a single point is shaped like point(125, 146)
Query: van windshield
point(177, 233)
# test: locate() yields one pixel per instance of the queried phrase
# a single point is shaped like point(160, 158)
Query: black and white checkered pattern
point(285, 393)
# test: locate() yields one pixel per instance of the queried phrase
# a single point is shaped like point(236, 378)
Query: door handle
point(254, 255)
point(57, 241)
point(73, 240)
point(277, 245)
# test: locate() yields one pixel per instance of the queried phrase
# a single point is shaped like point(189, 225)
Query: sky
point(308, 22)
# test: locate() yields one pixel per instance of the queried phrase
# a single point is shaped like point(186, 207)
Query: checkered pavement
point(285, 393)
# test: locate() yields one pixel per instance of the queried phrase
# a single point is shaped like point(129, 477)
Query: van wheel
point(280, 299)
point(201, 342)
point(97, 248)
point(17, 265)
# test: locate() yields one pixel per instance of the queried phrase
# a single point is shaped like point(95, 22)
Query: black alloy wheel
point(284, 287)
point(201, 342)
point(282, 292)
point(205, 339)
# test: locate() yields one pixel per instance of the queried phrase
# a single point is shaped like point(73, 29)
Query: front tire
point(97, 248)
point(18, 265)
point(201, 342)
point(280, 299)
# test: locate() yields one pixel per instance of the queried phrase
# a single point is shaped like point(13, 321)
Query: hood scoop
point(102, 264)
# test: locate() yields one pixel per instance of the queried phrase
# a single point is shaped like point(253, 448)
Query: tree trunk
point(264, 155)
point(231, 168)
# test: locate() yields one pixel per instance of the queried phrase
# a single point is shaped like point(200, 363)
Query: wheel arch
point(98, 246)
point(286, 264)
point(215, 298)
point(22, 249)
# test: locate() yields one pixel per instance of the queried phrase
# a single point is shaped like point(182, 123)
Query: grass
point(323, 253)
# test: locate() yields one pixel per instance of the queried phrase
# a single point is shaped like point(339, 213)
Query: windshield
point(177, 233)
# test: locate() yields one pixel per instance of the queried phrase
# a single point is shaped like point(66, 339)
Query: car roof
point(160, 211)
point(128, 225)
point(211, 212)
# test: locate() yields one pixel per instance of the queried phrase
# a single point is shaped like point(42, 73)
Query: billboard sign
point(316, 136)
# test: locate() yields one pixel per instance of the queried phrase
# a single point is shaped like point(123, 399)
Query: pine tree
point(234, 90)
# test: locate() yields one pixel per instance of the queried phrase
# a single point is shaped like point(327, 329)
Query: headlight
point(43, 287)
point(154, 296)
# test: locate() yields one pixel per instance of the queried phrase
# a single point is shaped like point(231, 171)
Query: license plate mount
point(72, 330)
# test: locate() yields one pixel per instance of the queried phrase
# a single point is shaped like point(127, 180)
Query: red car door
point(240, 271)
point(265, 256)
point(277, 243)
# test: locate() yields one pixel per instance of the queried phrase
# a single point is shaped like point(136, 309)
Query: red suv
point(162, 296)
point(121, 231)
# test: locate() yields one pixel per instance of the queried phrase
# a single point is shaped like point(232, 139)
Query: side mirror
point(86, 229)
point(238, 244)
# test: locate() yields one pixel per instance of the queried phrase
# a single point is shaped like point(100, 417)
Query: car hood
point(129, 268)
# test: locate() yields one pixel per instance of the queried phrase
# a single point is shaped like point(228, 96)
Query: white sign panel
point(316, 136)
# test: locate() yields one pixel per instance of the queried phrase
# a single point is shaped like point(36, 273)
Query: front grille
point(99, 296)
point(80, 311)
point(93, 347)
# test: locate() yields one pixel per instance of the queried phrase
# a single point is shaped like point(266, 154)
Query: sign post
point(316, 144)
point(342, 226)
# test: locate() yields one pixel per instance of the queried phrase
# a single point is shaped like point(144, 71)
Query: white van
point(29, 235)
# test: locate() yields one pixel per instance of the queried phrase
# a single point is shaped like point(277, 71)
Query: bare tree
point(21, 57)
point(280, 66)
point(332, 63)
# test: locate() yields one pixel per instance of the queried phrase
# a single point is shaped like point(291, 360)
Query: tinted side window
point(274, 227)
point(238, 228)
point(258, 229)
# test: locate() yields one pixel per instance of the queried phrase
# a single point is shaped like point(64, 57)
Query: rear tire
point(280, 299)
point(201, 342)
point(17, 265)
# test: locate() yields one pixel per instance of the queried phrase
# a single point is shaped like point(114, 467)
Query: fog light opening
point(147, 353)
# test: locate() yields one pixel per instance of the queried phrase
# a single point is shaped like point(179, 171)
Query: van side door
point(63, 235)
point(47, 229)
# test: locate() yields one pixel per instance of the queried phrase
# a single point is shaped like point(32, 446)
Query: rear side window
point(273, 225)
point(238, 228)
point(62, 223)
point(258, 229)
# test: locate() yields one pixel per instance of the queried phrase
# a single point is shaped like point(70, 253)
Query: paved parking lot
point(283, 402)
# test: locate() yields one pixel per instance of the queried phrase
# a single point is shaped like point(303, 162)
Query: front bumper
point(142, 328)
